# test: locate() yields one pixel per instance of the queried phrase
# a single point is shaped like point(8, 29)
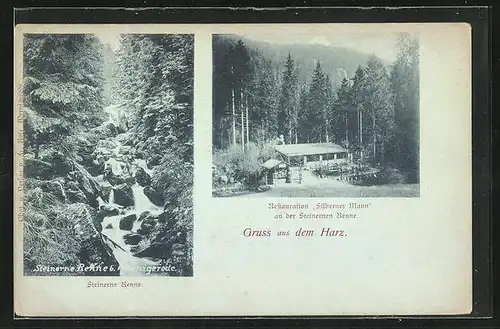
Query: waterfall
point(129, 264)
point(120, 163)
point(116, 166)
point(111, 199)
point(141, 201)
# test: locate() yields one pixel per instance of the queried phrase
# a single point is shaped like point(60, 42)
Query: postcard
point(243, 169)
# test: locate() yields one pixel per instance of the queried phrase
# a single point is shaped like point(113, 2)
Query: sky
point(384, 45)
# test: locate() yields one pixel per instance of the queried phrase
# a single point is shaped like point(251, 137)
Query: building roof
point(271, 163)
point(309, 149)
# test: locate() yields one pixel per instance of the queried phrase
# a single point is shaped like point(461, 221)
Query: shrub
point(49, 234)
point(242, 165)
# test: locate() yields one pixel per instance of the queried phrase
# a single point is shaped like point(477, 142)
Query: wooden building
point(274, 170)
point(310, 155)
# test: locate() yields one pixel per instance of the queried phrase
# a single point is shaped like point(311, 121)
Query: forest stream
point(124, 228)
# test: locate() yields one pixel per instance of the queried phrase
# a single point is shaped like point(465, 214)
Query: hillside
point(336, 61)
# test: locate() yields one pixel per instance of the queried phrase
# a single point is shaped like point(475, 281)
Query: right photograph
point(316, 115)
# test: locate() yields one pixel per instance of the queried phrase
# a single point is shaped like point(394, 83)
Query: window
point(313, 157)
point(329, 156)
point(296, 161)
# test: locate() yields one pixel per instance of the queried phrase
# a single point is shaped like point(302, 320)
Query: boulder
point(123, 124)
point(109, 226)
point(123, 195)
point(148, 222)
point(74, 194)
point(102, 152)
point(162, 218)
point(134, 249)
point(84, 218)
point(132, 238)
point(155, 250)
point(145, 228)
point(106, 144)
point(161, 244)
point(151, 219)
point(36, 168)
point(96, 167)
point(127, 222)
point(139, 155)
point(113, 179)
point(123, 138)
point(144, 215)
point(153, 160)
point(61, 164)
point(130, 180)
point(86, 183)
point(106, 130)
point(105, 189)
point(93, 251)
point(224, 179)
point(153, 196)
point(141, 145)
point(171, 221)
point(125, 149)
point(142, 177)
point(106, 210)
point(56, 188)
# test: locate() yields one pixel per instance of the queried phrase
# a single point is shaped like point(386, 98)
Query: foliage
point(242, 166)
point(240, 71)
point(50, 237)
point(405, 84)
point(288, 102)
point(156, 79)
point(316, 108)
point(62, 87)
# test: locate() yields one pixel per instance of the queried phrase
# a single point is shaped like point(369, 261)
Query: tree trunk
point(361, 128)
point(382, 153)
point(374, 138)
point(37, 147)
point(347, 128)
point(221, 129)
point(234, 116)
point(242, 122)
point(361, 133)
point(246, 103)
point(326, 130)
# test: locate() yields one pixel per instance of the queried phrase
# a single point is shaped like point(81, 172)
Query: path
point(313, 186)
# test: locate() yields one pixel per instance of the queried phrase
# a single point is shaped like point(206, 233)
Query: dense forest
point(372, 110)
point(108, 140)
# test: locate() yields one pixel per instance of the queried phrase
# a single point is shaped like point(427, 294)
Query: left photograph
point(107, 154)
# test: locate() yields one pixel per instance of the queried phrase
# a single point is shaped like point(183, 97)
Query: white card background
point(402, 256)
